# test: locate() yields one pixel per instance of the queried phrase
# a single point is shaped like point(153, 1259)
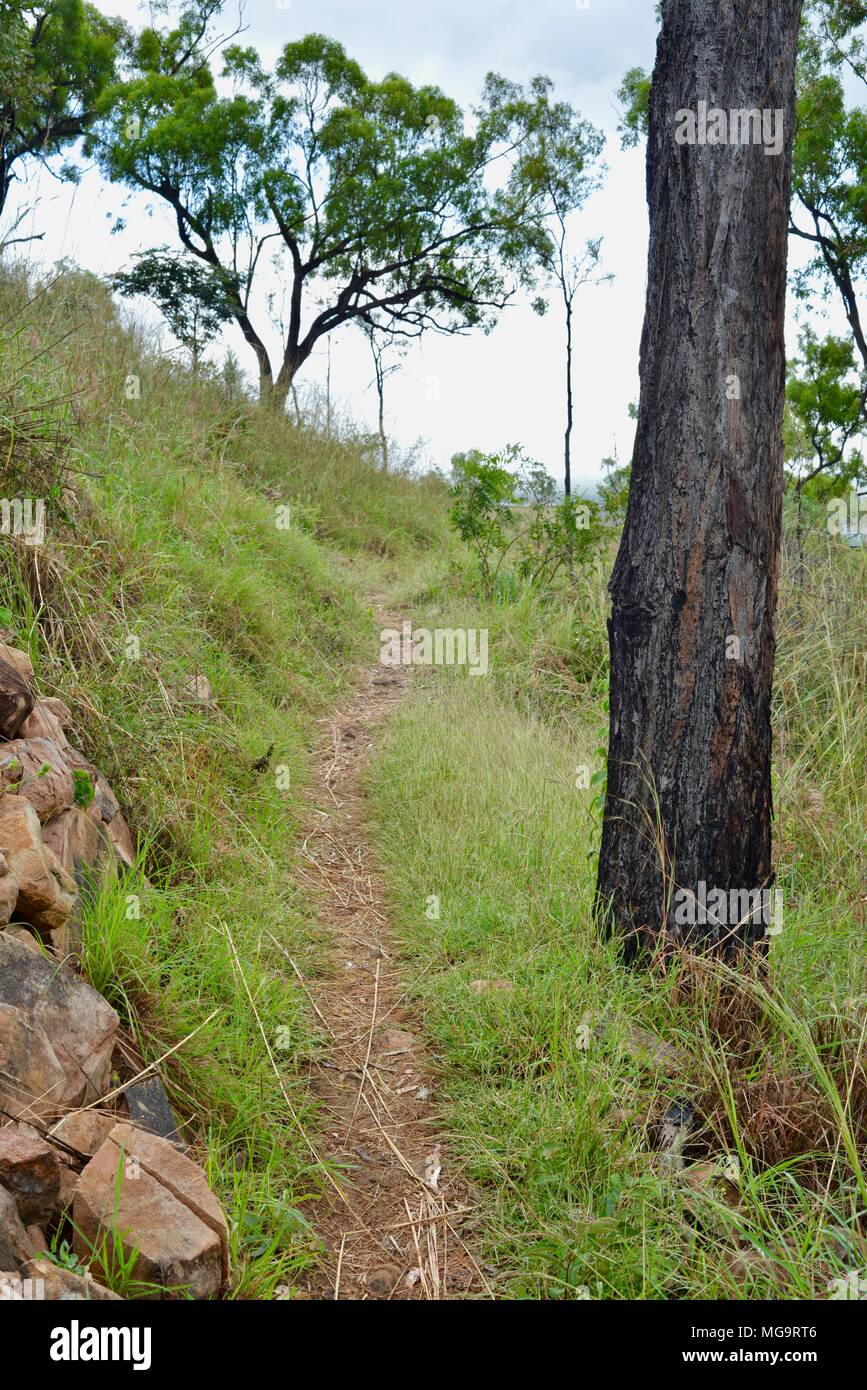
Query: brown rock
point(60, 711)
point(483, 986)
point(33, 1083)
point(120, 836)
point(29, 1169)
point(46, 893)
point(8, 896)
point(79, 1025)
point(174, 1248)
point(18, 660)
point(15, 1243)
point(22, 765)
point(42, 722)
point(83, 1130)
point(79, 842)
point(383, 1281)
point(25, 937)
point(181, 1176)
point(53, 1284)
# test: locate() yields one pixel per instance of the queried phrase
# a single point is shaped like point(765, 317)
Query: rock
point(18, 660)
point(29, 1169)
point(80, 843)
point(383, 1281)
point(22, 764)
point(482, 986)
point(8, 896)
point(175, 1249)
point(120, 836)
point(181, 1176)
point(149, 1108)
point(15, 1243)
point(653, 1053)
point(46, 893)
point(395, 1040)
point(60, 711)
point(78, 1025)
point(33, 1083)
point(198, 689)
point(83, 1130)
point(58, 1285)
point(42, 722)
point(25, 937)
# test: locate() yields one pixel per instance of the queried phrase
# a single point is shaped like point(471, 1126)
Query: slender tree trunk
point(567, 442)
point(694, 588)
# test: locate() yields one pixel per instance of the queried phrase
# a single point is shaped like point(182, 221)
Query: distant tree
point(558, 166)
point(195, 300)
point(825, 396)
point(379, 344)
point(386, 203)
point(56, 59)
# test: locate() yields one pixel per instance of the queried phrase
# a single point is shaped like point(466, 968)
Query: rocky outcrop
point(55, 1049)
point(30, 1171)
point(66, 1129)
point(158, 1203)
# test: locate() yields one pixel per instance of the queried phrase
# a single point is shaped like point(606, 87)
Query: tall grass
point(557, 1065)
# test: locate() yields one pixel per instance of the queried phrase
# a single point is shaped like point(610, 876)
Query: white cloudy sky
point(508, 386)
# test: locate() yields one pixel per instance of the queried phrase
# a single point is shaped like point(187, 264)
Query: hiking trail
point(393, 1221)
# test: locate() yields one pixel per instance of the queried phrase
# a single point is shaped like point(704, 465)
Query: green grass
point(551, 1109)
point(165, 562)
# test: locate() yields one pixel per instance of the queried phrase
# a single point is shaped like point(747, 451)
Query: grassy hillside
point(190, 536)
point(164, 562)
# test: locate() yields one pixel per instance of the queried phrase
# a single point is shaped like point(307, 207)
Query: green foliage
point(634, 95)
point(481, 501)
point(614, 490)
point(825, 396)
point(84, 792)
point(56, 58)
point(196, 301)
point(382, 202)
point(505, 504)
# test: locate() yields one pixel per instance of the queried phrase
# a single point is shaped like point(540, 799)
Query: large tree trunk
point(694, 589)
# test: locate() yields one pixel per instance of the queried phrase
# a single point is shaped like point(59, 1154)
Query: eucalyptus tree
point(393, 205)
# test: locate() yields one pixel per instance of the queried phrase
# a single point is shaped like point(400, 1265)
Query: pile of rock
point(73, 1168)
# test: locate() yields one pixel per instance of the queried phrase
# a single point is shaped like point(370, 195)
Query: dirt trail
point(396, 1231)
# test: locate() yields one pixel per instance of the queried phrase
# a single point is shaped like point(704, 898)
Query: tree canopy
point(391, 207)
point(56, 58)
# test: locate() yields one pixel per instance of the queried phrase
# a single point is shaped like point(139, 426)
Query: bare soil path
point(396, 1229)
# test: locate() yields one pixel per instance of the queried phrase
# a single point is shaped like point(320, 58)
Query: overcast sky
point(477, 391)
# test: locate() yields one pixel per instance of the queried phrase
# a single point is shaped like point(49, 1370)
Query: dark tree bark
point(694, 588)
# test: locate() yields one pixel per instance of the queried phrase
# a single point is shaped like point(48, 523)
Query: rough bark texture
point(689, 774)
